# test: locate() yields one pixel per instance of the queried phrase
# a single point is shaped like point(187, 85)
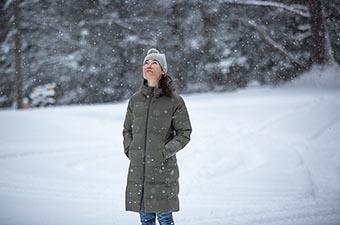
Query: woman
point(156, 127)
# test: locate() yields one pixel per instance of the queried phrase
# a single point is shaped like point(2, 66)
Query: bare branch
point(262, 31)
point(297, 9)
point(7, 4)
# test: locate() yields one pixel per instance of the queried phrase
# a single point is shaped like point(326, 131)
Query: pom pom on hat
point(154, 54)
point(152, 50)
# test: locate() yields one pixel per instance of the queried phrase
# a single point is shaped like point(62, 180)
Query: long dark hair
point(167, 85)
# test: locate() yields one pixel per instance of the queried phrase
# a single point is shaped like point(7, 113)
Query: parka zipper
point(145, 142)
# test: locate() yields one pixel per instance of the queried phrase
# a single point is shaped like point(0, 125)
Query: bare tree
point(174, 23)
point(18, 77)
point(318, 31)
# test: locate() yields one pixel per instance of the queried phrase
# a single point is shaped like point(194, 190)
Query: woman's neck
point(152, 84)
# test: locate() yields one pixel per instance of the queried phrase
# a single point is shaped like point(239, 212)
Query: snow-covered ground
point(257, 156)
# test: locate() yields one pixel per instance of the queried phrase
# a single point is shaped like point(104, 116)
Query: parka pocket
point(163, 155)
point(127, 151)
point(127, 154)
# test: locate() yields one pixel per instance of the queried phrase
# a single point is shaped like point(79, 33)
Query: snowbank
point(322, 77)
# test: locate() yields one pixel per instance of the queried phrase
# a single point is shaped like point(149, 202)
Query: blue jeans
point(164, 218)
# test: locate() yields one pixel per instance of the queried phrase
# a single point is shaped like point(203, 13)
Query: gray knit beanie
point(154, 54)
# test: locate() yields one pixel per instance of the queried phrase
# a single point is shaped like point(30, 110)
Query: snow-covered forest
point(90, 51)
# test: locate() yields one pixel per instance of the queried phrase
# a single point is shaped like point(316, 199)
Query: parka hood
point(146, 90)
point(157, 91)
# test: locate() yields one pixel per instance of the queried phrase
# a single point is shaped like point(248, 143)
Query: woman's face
point(152, 70)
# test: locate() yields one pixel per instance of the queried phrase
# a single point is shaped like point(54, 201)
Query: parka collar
point(146, 90)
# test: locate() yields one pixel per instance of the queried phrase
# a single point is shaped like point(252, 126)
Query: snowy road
point(257, 156)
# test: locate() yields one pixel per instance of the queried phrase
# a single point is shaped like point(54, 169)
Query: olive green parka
point(156, 127)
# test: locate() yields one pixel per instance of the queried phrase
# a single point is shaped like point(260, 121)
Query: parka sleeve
point(127, 128)
point(183, 129)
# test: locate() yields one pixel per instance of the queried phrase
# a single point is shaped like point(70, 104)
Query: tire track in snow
point(316, 191)
point(251, 163)
point(256, 160)
point(40, 191)
point(78, 163)
point(53, 188)
point(315, 217)
point(6, 156)
point(245, 162)
point(327, 214)
point(275, 119)
point(22, 183)
point(325, 127)
point(301, 159)
point(291, 212)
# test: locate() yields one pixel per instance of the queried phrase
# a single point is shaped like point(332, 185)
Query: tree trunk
point(18, 78)
point(318, 32)
point(177, 35)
